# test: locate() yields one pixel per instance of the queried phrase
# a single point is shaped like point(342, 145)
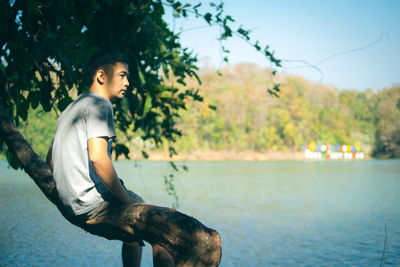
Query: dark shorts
point(107, 206)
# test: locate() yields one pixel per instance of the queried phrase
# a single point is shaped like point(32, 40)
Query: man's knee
point(134, 244)
point(132, 194)
point(135, 196)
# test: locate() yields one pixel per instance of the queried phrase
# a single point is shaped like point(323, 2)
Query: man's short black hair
point(104, 60)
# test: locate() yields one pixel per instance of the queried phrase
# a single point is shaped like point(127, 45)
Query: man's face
point(118, 84)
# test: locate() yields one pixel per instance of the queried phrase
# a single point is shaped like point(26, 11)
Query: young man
point(85, 178)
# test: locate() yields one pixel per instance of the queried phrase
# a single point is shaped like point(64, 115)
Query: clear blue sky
point(311, 30)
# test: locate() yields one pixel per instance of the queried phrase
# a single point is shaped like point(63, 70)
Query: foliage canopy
point(45, 46)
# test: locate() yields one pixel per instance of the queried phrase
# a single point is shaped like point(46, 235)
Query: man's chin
point(120, 95)
point(117, 97)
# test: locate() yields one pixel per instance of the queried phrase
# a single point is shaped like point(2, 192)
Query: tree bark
point(188, 241)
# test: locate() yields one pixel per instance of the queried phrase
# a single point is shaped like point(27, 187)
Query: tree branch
point(188, 241)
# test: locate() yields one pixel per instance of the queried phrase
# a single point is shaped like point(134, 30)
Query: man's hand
point(98, 155)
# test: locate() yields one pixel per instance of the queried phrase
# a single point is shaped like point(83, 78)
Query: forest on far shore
point(247, 118)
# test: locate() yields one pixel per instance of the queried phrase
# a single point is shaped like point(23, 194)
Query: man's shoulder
point(94, 99)
point(87, 106)
point(90, 100)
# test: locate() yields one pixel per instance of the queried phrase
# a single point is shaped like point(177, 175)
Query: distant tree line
point(247, 118)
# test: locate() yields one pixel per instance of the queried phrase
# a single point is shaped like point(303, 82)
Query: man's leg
point(161, 257)
point(131, 254)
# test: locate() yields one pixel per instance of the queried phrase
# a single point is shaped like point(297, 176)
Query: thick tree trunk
point(189, 242)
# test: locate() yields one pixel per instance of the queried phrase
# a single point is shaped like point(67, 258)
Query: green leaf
point(277, 87)
point(166, 94)
point(63, 103)
point(208, 18)
point(3, 70)
point(172, 151)
point(121, 149)
point(173, 165)
point(228, 18)
point(141, 77)
point(212, 107)
point(22, 108)
point(244, 33)
point(1, 144)
point(147, 104)
point(45, 97)
point(34, 98)
point(12, 160)
point(273, 93)
point(145, 155)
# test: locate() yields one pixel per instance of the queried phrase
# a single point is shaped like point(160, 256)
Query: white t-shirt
point(79, 187)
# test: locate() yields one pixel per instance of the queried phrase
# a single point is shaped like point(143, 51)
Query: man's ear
point(101, 76)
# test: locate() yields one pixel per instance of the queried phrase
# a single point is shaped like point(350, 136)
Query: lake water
point(268, 214)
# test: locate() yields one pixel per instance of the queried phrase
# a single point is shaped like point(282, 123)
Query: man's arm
point(98, 155)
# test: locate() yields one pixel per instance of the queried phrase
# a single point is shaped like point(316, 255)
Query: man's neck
point(100, 91)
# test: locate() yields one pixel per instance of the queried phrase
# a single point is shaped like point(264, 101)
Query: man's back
point(78, 185)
